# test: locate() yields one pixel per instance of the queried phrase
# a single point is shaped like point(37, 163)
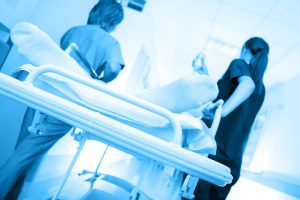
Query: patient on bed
point(185, 94)
point(38, 47)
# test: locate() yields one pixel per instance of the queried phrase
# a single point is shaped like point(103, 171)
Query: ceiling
point(219, 28)
point(181, 28)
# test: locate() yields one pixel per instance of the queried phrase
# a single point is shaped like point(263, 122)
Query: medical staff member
point(243, 92)
point(103, 54)
point(101, 51)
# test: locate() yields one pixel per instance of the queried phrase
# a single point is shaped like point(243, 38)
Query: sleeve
point(115, 54)
point(65, 40)
point(238, 68)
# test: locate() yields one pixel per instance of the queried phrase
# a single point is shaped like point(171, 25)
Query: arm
point(111, 71)
point(114, 63)
point(244, 89)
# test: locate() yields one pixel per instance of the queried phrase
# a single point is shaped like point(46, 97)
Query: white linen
point(40, 49)
point(186, 93)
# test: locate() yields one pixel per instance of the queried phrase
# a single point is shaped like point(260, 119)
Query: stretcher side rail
point(116, 134)
point(177, 139)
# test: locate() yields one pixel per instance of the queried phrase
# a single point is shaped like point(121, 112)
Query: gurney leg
point(81, 138)
point(95, 174)
point(188, 187)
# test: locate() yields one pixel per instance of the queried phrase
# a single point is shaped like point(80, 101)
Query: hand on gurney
point(209, 110)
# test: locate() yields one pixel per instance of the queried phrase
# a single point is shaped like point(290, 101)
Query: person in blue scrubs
point(98, 49)
point(242, 89)
point(101, 54)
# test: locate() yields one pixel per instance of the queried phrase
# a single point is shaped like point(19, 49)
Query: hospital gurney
point(113, 132)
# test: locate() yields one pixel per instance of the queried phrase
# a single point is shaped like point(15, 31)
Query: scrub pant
point(30, 147)
point(208, 191)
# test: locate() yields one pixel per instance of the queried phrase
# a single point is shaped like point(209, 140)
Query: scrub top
point(96, 45)
point(234, 129)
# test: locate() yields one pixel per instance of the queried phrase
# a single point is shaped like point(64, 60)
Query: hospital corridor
point(149, 99)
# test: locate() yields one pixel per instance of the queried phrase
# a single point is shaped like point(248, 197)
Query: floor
point(245, 189)
point(264, 186)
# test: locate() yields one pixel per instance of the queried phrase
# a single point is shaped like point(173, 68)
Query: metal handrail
point(177, 139)
point(114, 133)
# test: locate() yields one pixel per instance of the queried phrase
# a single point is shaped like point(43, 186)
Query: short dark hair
point(106, 14)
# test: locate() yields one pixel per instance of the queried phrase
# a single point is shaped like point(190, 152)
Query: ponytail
point(259, 49)
point(259, 64)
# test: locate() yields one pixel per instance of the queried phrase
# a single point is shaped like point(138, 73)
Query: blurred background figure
point(199, 65)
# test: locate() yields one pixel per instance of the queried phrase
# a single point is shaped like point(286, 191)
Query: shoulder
point(74, 29)
point(90, 31)
point(98, 34)
point(238, 62)
point(238, 68)
point(71, 33)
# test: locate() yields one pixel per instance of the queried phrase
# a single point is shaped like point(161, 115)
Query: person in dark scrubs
point(102, 57)
point(242, 89)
